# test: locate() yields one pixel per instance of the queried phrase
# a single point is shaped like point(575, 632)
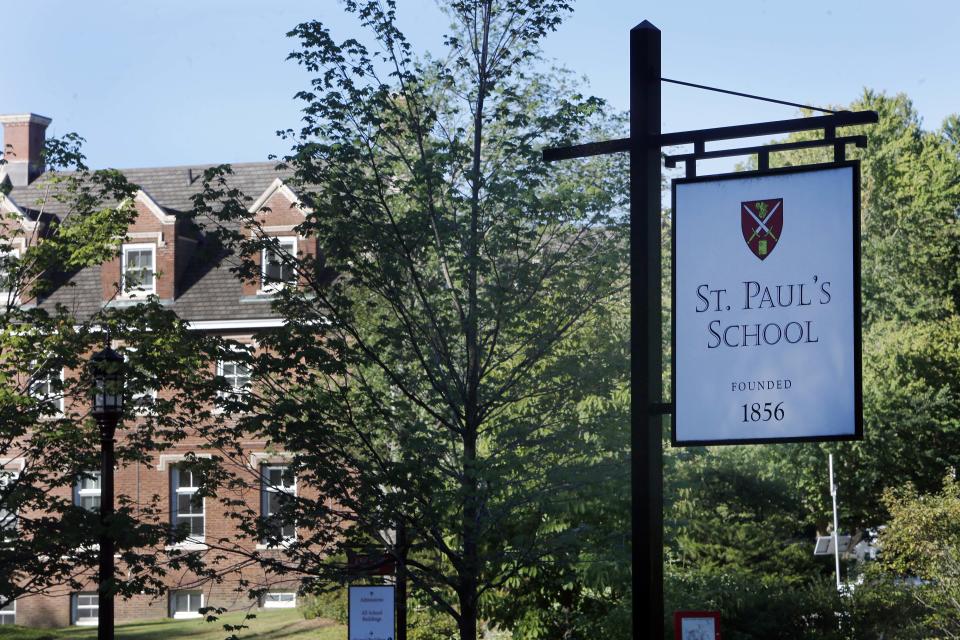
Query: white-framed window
point(48, 387)
point(7, 256)
point(86, 608)
point(276, 270)
point(185, 604)
point(87, 492)
point(236, 374)
point(278, 485)
point(143, 400)
point(8, 612)
point(8, 516)
point(280, 600)
point(145, 397)
point(187, 512)
point(138, 267)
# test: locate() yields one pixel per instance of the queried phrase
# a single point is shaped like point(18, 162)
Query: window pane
point(187, 602)
point(186, 478)
point(88, 607)
point(275, 476)
point(280, 597)
point(278, 488)
point(7, 260)
point(196, 527)
point(189, 504)
point(90, 481)
point(279, 478)
point(274, 268)
point(8, 613)
point(143, 399)
point(90, 503)
point(88, 599)
point(236, 374)
point(139, 268)
point(241, 375)
point(274, 502)
point(184, 504)
point(44, 387)
point(8, 518)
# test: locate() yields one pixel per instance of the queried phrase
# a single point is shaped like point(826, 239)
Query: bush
point(424, 623)
point(331, 605)
point(763, 608)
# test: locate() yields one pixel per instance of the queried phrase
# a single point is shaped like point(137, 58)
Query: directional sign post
point(371, 613)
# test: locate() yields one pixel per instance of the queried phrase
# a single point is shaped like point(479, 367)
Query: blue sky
point(152, 83)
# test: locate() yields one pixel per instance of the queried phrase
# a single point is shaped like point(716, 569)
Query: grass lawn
point(268, 625)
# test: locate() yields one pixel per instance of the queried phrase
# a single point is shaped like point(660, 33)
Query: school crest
point(761, 222)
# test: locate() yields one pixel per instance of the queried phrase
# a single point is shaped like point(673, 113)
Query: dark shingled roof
point(207, 290)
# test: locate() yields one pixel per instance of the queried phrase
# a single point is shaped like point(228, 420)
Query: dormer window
point(139, 265)
point(276, 266)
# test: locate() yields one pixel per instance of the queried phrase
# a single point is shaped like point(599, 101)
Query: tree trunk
point(470, 568)
point(468, 612)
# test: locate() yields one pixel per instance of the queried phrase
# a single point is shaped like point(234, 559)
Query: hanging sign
point(766, 300)
point(371, 613)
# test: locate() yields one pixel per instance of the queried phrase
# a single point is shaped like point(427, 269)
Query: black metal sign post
point(646, 478)
point(647, 409)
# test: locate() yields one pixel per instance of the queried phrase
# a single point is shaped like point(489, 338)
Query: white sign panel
point(766, 306)
point(371, 613)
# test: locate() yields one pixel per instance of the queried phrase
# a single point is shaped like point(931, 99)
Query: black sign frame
point(857, 320)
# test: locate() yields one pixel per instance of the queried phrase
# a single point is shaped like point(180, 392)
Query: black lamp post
point(106, 368)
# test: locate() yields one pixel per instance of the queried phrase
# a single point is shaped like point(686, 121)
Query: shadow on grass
point(272, 625)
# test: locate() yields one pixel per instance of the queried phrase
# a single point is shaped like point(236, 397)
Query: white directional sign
point(766, 304)
point(371, 613)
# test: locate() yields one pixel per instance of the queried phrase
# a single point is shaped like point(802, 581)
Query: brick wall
point(142, 483)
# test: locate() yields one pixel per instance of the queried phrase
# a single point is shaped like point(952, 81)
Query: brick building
point(165, 256)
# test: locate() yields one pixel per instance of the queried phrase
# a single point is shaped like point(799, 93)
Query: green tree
point(439, 371)
point(922, 543)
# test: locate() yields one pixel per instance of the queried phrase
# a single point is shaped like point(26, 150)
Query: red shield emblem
point(762, 223)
